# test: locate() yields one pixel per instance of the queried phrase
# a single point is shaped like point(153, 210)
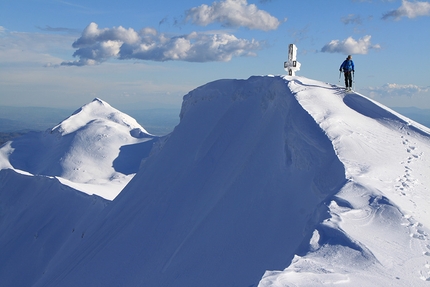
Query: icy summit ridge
point(237, 90)
point(378, 148)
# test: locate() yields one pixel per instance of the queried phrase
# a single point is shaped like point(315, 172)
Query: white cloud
point(410, 10)
point(396, 90)
point(233, 13)
point(92, 35)
point(350, 46)
point(98, 45)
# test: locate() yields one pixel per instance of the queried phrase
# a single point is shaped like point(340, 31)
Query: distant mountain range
point(159, 121)
point(419, 115)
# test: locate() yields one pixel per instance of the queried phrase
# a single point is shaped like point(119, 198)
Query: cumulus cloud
point(410, 10)
point(98, 45)
point(232, 13)
point(92, 35)
point(350, 46)
point(396, 90)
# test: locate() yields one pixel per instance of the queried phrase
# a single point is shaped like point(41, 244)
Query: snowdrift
point(269, 181)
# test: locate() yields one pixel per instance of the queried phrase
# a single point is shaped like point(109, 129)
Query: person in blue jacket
point(348, 69)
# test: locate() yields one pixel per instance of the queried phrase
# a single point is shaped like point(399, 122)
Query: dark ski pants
point(348, 79)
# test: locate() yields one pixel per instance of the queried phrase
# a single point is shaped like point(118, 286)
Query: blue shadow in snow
point(130, 156)
point(369, 109)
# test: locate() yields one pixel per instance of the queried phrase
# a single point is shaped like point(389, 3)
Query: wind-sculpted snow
point(239, 184)
point(269, 181)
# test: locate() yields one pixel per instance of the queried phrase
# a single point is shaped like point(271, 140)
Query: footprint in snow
point(427, 252)
point(406, 181)
point(416, 231)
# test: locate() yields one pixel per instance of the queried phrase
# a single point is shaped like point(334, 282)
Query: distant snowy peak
point(97, 146)
point(99, 111)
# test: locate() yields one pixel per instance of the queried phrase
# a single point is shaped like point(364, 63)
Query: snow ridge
point(376, 209)
point(269, 181)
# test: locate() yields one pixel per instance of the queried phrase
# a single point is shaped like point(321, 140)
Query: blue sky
point(148, 54)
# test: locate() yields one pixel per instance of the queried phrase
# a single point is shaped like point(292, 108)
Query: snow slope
point(382, 213)
point(269, 181)
point(96, 150)
point(39, 217)
point(214, 206)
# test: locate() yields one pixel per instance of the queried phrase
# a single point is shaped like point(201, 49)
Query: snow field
point(270, 181)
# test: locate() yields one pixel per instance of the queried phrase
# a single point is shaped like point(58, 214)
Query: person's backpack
point(348, 66)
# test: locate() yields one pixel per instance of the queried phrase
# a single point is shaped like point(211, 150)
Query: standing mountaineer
point(348, 67)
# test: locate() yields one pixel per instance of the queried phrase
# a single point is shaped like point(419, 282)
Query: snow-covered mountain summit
point(269, 181)
point(99, 110)
point(97, 146)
